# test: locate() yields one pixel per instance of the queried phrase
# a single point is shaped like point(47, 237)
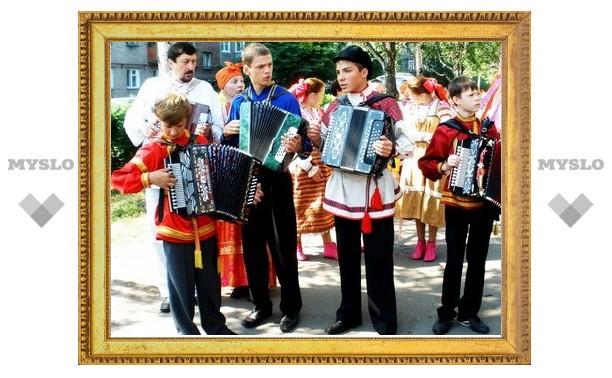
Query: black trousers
point(183, 277)
point(473, 226)
point(273, 222)
point(378, 255)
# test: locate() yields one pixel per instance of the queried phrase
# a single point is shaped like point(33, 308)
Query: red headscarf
point(431, 85)
point(300, 90)
point(226, 73)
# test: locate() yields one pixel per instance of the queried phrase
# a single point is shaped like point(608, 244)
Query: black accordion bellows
point(215, 180)
point(350, 138)
point(261, 127)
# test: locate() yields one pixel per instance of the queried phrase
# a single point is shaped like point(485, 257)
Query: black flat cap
point(356, 54)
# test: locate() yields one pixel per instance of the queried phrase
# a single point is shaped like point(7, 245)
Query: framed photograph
point(98, 30)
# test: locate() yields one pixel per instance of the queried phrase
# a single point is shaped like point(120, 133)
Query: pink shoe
point(430, 252)
point(300, 253)
point(330, 251)
point(419, 250)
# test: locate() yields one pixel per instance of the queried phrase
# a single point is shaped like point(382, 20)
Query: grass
point(124, 206)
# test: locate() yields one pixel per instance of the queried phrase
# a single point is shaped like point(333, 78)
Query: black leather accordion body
point(479, 172)
point(215, 180)
point(350, 138)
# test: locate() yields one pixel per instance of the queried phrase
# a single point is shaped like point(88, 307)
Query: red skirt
point(231, 262)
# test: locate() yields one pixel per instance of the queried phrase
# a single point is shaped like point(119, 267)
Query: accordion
point(199, 116)
point(213, 180)
point(352, 132)
point(261, 127)
point(479, 172)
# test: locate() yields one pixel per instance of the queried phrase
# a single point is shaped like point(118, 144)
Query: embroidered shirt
point(134, 177)
point(347, 195)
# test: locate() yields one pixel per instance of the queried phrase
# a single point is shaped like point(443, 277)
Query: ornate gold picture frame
point(98, 29)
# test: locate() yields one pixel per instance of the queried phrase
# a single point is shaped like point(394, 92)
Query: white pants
point(152, 199)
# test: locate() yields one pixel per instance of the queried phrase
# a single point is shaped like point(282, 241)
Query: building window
point(238, 46)
point(133, 78)
point(225, 46)
point(206, 59)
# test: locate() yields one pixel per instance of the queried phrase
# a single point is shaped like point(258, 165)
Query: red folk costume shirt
point(134, 177)
point(444, 143)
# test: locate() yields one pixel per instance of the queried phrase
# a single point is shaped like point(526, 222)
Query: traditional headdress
point(226, 73)
point(432, 86)
point(300, 90)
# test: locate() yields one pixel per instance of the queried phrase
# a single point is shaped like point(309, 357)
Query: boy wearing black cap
point(349, 197)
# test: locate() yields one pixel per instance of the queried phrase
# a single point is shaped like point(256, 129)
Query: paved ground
point(135, 299)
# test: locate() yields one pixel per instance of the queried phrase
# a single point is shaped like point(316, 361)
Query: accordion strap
point(160, 205)
point(271, 95)
point(454, 124)
point(377, 97)
point(192, 137)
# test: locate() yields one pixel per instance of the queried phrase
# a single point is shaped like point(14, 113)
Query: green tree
point(299, 60)
point(385, 53)
point(447, 60)
point(122, 149)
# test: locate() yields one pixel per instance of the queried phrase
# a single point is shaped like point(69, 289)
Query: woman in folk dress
point(310, 175)
point(229, 235)
point(421, 199)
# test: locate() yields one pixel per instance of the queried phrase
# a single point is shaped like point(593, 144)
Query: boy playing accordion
point(469, 219)
point(187, 265)
point(363, 205)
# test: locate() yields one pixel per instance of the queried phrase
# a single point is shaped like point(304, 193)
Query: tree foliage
point(441, 60)
point(294, 61)
point(122, 149)
point(447, 60)
point(385, 53)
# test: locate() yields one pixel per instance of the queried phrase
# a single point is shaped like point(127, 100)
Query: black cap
point(356, 54)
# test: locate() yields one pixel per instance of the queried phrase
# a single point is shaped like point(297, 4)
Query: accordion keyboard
point(177, 201)
point(458, 173)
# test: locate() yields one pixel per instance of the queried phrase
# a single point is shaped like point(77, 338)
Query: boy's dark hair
point(461, 84)
point(179, 48)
